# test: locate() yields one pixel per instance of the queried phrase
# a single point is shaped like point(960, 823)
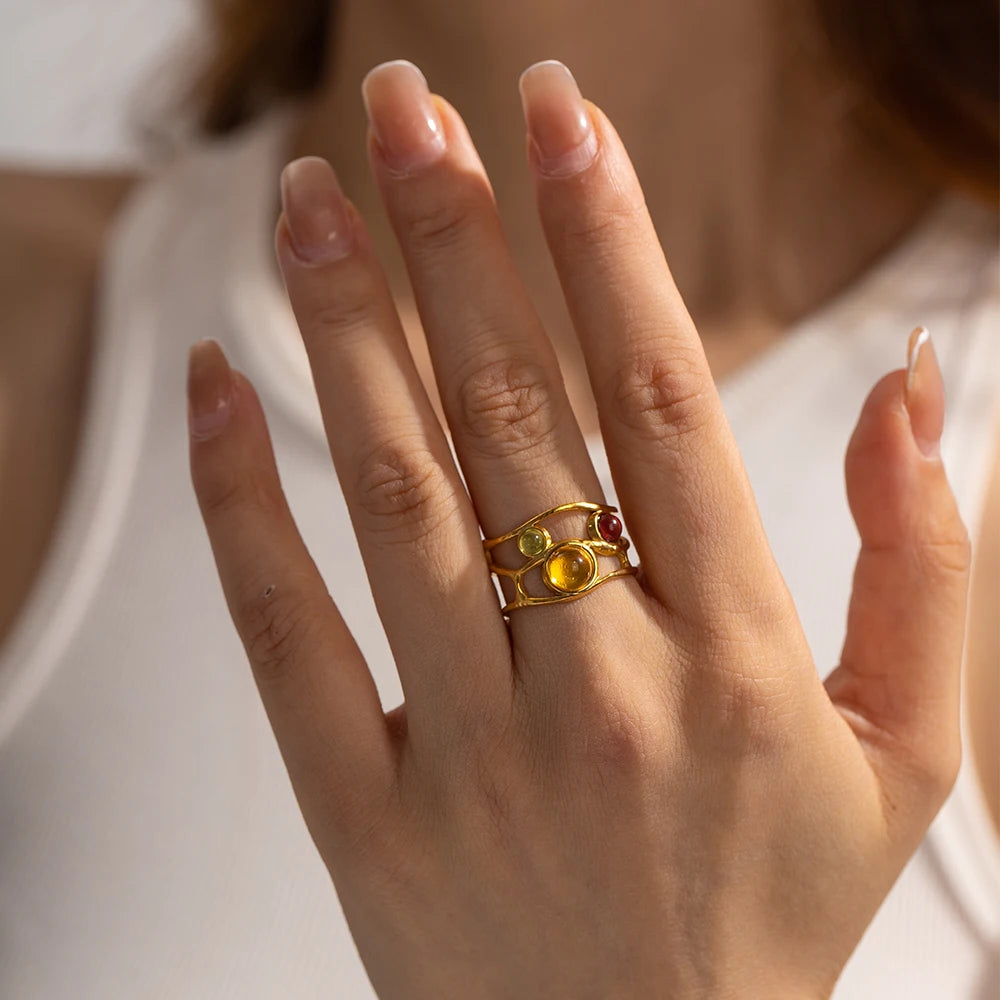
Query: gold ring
point(569, 567)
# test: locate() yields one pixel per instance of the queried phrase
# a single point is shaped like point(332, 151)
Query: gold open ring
point(569, 567)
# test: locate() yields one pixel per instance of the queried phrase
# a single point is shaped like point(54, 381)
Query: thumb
point(897, 684)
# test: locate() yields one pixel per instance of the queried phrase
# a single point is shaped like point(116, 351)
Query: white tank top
point(150, 845)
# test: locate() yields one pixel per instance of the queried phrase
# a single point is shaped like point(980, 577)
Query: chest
point(38, 444)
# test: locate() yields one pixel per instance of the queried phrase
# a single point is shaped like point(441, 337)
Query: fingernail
point(924, 393)
point(560, 128)
point(403, 116)
point(209, 390)
point(315, 210)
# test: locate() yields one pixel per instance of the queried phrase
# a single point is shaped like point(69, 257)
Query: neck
point(767, 197)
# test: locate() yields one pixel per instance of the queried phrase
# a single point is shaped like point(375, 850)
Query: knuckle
point(403, 493)
point(507, 406)
point(606, 226)
point(748, 706)
point(229, 490)
point(756, 617)
point(348, 309)
point(947, 552)
point(276, 625)
point(623, 736)
point(619, 739)
point(442, 226)
point(661, 400)
point(736, 707)
point(938, 555)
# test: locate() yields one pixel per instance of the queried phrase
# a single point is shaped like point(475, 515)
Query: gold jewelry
point(569, 566)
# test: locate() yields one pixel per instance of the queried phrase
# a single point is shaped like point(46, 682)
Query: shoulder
point(66, 216)
point(63, 235)
point(53, 230)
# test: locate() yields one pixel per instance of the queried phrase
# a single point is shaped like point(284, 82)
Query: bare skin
point(758, 159)
point(53, 229)
point(534, 816)
point(784, 188)
point(741, 299)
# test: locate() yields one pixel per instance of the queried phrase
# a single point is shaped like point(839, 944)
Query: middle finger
point(516, 437)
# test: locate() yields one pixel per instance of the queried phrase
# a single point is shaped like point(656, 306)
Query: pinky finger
point(319, 695)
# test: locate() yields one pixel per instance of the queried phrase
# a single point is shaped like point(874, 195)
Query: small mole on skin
point(269, 591)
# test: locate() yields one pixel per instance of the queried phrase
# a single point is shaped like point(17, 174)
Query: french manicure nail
point(560, 127)
point(406, 123)
point(209, 390)
point(924, 392)
point(315, 210)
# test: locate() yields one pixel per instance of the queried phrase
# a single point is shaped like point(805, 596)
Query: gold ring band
point(569, 567)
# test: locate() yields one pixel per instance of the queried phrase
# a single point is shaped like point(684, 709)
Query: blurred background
point(75, 75)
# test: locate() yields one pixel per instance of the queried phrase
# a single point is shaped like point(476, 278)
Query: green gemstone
point(532, 542)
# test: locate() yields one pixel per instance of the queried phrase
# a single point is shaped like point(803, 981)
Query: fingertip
point(882, 431)
point(314, 214)
point(459, 140)
point(898, 488)
point(237, 428)
point(903, 414)
point(210, 395)
point(880, 465)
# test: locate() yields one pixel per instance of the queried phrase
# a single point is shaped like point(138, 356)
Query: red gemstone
point(609, 527)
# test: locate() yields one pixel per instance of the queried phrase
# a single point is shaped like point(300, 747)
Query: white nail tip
point(544, 62)
point(398, 62)
point(911, 361)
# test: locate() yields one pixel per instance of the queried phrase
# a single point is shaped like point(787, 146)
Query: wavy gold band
point(569, 567)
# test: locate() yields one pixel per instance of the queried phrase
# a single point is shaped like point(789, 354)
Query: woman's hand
point(645, 792)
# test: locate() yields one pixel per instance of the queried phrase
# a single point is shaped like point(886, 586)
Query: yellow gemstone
point(532, 542)
point(570, 568)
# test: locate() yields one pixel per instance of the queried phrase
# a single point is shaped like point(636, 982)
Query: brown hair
point(262, 51)
point(930, 68)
